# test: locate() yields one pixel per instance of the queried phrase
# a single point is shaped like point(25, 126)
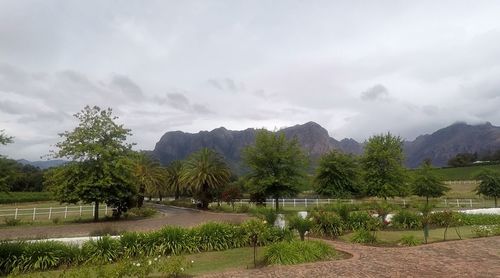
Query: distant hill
point(438, 146)
point(43, 164)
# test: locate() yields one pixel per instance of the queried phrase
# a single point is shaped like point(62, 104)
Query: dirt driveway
point(170, 216)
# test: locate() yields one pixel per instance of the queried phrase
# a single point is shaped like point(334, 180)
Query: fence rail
point(50, 212)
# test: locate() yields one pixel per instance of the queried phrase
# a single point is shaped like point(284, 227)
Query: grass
point(388, 237)
point(464, 173)
point(22, 197)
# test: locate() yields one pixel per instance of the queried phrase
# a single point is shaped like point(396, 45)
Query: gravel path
point(170, 216)
point(466, 258)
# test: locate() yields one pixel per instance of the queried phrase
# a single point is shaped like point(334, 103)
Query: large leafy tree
point(489, 185)
point(174, 184)
point(205, 172)
point(101, 170)
point(276, 165)
point(4, 165)
point(337, 175)
point(384, 174)
point(150, 177)
point(427, 184)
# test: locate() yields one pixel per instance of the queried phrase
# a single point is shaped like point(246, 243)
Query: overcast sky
point(355, 67)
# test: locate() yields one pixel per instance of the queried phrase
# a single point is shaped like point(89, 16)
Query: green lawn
point(435, 235)
point(464, 173)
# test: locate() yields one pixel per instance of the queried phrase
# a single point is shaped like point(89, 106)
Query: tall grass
point(296, 252)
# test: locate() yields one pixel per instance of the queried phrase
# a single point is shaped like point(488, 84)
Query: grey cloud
point(227, 84)
point(377, 92)
point(127, 86)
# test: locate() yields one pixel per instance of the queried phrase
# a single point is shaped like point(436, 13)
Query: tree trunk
point(160, 196)
point(427, 200)
point(177, 193)
point(301, 236)
point(496, 205)
point(140, 196)
point(277, 202)
point(96, 211)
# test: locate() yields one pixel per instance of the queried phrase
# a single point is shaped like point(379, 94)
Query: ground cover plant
point(295, 252)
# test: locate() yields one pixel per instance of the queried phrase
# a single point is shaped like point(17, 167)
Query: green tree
point(427, 184)
point(277, 165)
point(150, 176)
point(462, 159)
point(4, 139)
point(384, 174)
point(489, 185)
point(204, 172)
point(337, 175)
point(174, 184)
point(101, 170)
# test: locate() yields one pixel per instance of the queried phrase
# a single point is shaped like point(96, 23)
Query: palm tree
point(205, 171)
point(150, 177)
point(174, 170)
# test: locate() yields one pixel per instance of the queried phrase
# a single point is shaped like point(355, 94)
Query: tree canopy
point(384, 174)
point(427, 184)
point(337, 175)
point(205, 172)
point(276, 165)
point(150, 177)
point(4, 139)
point(101, 170)
point(489, 185)
point(174, 184)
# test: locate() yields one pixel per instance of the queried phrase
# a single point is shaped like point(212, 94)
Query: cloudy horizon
point(357, 68)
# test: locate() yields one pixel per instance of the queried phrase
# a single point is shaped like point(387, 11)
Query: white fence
point(51, 212)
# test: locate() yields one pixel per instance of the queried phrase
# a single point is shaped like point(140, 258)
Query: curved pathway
point(466, 258)
point(169, 216)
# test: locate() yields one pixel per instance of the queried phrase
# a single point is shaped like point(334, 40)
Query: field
point(22, 197)
point(464, 173)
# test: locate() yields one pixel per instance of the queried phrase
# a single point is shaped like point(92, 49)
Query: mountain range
point(439, 146)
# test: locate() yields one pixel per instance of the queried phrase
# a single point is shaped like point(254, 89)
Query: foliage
point(296, 252)
point(427, 184)
point(205, 171)
point(150, 177)
point(462, 159)
point(409, 240)
point(100, 171)
point(243, 208)
point(383, 209)
point(175, 266)
point(407, 219)
point(302, 225)
point(15, 176)
point(4, 139)
point(217, 237)
point(23, 197)
point(489, 185)
point(486, 230)
point(140, 212)
point(267, 215)
point(362, 220)
point(363, 236)
point(327, 223)
point(102, 250)
point(276, 165)
point(384, 174)
point(426, 210)
point(11, 221)
point(337, 176)
point(174, 184)
point(478, 219)
point(230, 194)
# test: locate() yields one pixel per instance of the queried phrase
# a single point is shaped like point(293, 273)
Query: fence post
point(50, 212)
point(15, 215)
point(470, 200)
point(34, 214)
point(404, 203)
point(458, 203)
point(283, 202)
point(445, 203)
point(106, 210)
point(93, 211)
point(293, 202)
point(65, 212)
point(80, 210)
point(241, 202)
point(305, 201)
point(317, 202)
point(328, 200)
point(273, 202)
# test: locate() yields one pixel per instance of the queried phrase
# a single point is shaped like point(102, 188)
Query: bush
point(409, 240)
point(23, 197)
point(269, 215)
point(216, 237)
point(174, 240)
point(9, 253)
point(140, 212)
point(296, 252)
point(102, 250)
point(243, 209)
point(327, 224)
point(56, 220)
point(478, 219)
point(406, 219)
point(302, 225)
point(362, 220)
point(363, 236)
point(10, 221)
point(484, 231)
point(342, 210)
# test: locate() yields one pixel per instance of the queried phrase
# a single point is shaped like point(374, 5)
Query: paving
point(465, 258)
point(172, 216)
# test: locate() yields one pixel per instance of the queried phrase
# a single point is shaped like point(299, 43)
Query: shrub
point(44, 255)
point(327, 224)
point(10, 221)
point(444, 218)
point(363, 236)
point(174, 240)
point(478, 219)
point(105, 231)
point(174, 266)
point(141, 212)
point(9, 252)
point(362, 220)
point(484, 231)
point(296, 252)
point(269, 215)
point(406, 219)
point(56, 220)
point(302, 225)
point(217, 236)
point(409, 240)
point(102, 250)
point(23, 197)
point(342, 210)
point(243, 209)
